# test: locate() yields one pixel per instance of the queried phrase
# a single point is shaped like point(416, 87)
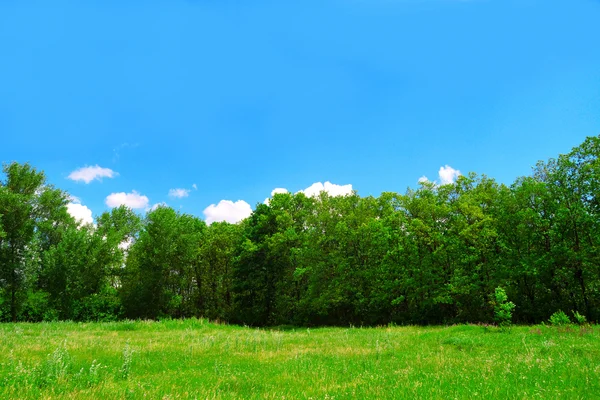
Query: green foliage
point(559, 318)
point(158, 273)
point(103, 307)
point(502, 308)
point(23, 198)
point(37, 307)
point(579, 318)
point(431, 255)
point(213, 270)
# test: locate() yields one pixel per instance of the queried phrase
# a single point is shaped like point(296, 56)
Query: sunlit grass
point(198, 359)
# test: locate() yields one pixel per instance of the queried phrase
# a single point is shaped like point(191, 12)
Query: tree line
point(432, 255)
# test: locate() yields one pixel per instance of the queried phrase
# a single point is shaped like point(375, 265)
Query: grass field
point(198, 359)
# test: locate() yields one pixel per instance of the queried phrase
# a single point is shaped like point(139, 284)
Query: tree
point(82, 271)
point(158, 275)
point(573, 181)
point(213, 270)
point(255, 272)
point(502, 307)
point(28, 207)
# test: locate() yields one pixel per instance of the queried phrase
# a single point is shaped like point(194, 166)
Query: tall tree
point(573, 181)
point(158, 276)
point(255, 272)
point(213, 269)
point(28, 207)
point(82, 272)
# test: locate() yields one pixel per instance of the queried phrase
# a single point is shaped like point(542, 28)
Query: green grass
point(197, 359)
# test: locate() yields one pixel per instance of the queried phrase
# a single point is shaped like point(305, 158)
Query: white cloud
point(227, 210)
point(88, 174)
point(448, 174)
point(278, 190)
point(179, 193)
point(332, 189)
point(195, 186)
point(74, 199)
point(132, 200)
point(81, 213)
point(274, 192)
point(233, 212)
point(126, 244)
point(155, 206)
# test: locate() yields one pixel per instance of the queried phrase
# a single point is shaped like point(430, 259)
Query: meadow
point(181, 359)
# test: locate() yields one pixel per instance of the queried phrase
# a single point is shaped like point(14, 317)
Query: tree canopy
point(435, 254)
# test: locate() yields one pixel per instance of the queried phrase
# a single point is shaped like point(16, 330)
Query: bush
point(36, 307)
point(580, 319)
point(502, 308)
point(103, 307)
point(559, 318)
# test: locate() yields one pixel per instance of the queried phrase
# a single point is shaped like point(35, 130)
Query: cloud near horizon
point(316, 188)
point(89, 174)
point(278, 190)
point(233, 212)
point(228, 211)
point(80, 213)
point(330, 188)
point(156, 205)
point(446, 175)
point(273, 193)
point(133, 200)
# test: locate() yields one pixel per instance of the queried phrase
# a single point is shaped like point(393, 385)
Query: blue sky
point(240, 98)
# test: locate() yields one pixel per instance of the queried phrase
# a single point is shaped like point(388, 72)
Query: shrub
point(36, 307)
point(559, 318)
point(580, 319)
point(104, 306)
point(502, 308)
